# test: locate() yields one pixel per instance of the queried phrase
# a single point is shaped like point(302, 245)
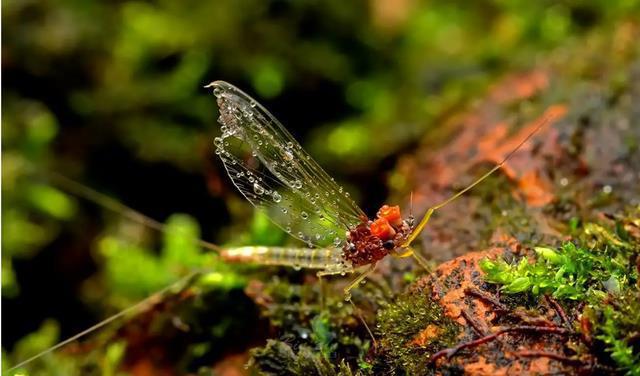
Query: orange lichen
point(452, 298)
point(427, 335)
point(519, 87)
point(536, 190)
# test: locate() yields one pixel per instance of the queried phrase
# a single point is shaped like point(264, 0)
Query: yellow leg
point(359, 314)
point(410, 252)
point(321, 286)
point(347, 297)
point(421, 260)
point(357, 280)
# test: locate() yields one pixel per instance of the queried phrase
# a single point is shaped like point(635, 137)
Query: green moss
point(599, 269)
point(400, 323)
point(617, 325)
point(278, 358)
point(313, 337)
point(570, 272)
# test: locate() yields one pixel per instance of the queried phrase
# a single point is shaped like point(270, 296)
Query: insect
point(274, 173)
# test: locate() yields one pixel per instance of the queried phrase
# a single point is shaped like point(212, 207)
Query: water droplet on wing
point(288, 155)
point(258, 189)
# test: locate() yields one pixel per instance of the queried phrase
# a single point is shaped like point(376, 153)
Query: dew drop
point(276, 196)
point(288, 229)
point(304, 215)
point(337, 241)
point(288, 156)
point(217, 92)
point(284, 210)
point(218, 142)
point(258, 189)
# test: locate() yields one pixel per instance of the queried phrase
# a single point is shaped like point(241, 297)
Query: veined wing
point(274, 173)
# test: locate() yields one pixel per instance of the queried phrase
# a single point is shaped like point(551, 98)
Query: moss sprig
point(600, 270)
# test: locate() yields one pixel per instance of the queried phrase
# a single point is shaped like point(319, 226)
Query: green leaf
point(518, 285)
point(549, 255)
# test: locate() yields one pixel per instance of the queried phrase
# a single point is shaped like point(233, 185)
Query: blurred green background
point(111, 94)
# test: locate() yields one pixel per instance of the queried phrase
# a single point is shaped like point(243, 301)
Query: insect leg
point(354, 283)
point(321, 286)
point(359, 314)
point(358, 279)
point(421, 260)
point(347, 297)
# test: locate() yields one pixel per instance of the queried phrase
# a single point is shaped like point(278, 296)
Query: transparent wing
point(274, 173)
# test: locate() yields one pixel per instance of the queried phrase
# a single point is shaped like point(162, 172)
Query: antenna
point(552, 114)
point(107, 202)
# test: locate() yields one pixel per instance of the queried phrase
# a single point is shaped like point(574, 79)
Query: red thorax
point(370, 241)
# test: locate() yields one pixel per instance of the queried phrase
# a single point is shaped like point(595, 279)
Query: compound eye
point(389, 245)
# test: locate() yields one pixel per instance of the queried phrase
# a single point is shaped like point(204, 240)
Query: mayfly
point(274, 173)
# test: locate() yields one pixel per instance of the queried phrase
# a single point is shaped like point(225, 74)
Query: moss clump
point(599, 269)
point(410, 330)
point(313, 337)
point(278, 358)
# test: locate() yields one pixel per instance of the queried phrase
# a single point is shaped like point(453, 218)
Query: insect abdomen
point(316, 258)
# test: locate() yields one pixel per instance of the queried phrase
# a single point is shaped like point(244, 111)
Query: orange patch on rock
point(519, 87)
point(482, 367)
point(453, 299)
point(424, 337)
point(536, 190)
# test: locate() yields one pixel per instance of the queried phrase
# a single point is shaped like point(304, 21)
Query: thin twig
point(558, 308)
point(474, 324)
point(486, 297)
point(521, 328)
